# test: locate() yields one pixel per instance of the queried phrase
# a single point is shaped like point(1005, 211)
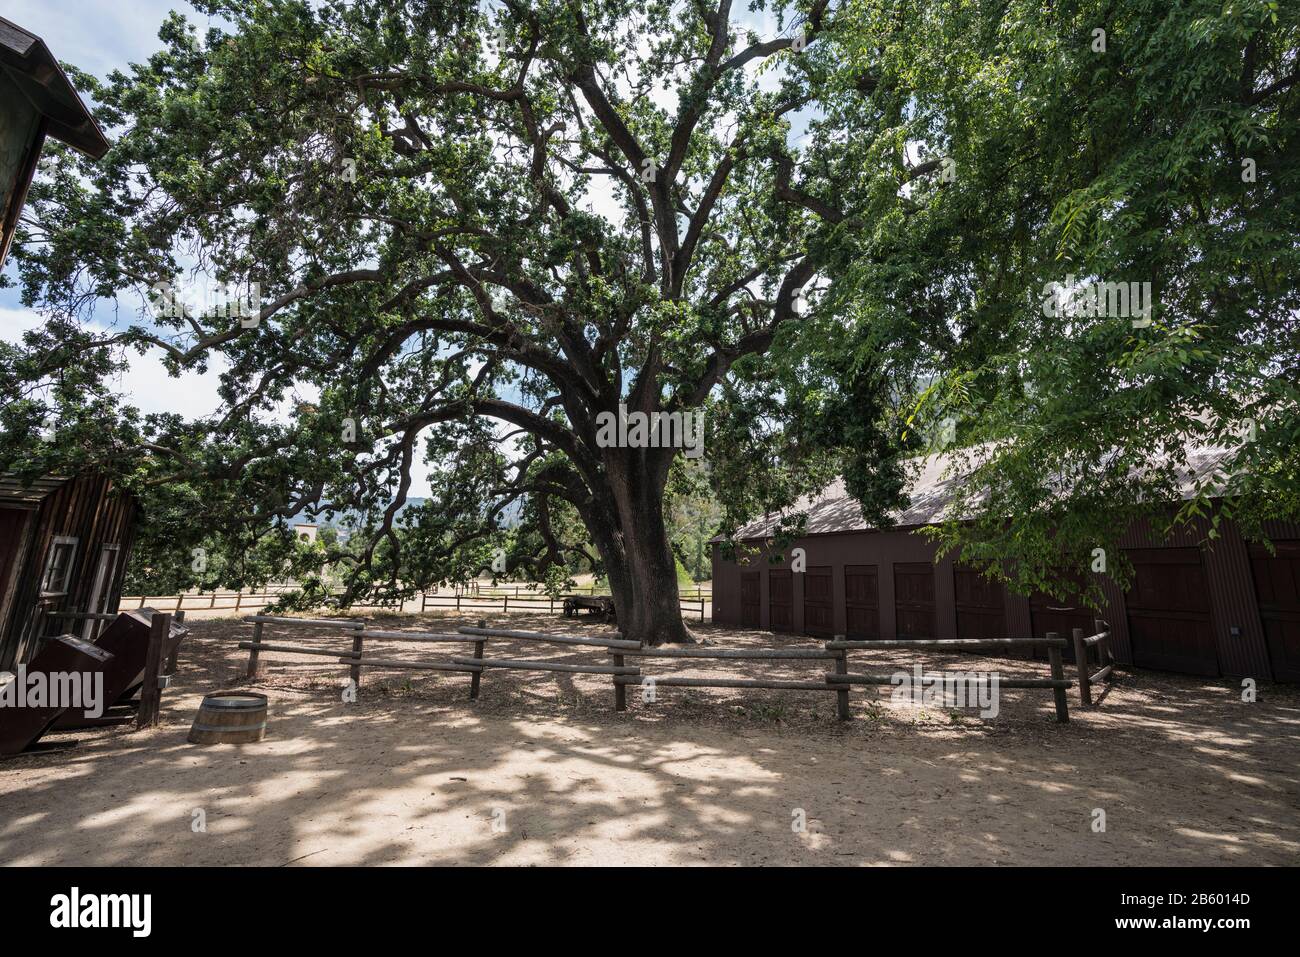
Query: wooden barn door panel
point(1169, 612)
point(780, 600)
point(1277, 588)
point(818, 608)
point(981, 606)
point(750, 600)
point(914, 600)
point(1048, 614)
point(861, 602)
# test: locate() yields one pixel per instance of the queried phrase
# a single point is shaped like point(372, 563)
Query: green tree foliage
point(411, 184)
point(1077, 143)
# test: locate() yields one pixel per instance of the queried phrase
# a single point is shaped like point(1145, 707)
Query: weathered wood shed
point(1232, 608)
point(64, 544)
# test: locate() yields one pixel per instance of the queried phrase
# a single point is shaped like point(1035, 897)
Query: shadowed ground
point(543, 770)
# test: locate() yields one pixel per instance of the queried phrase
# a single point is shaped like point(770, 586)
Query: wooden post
point(160, 627)
point(171, 659)
point(620, 690)
point(842, 695)
point(253, 652)
point(1081, 663)
point(1103, 646)
point(356, 653)
point(475, 678)
point(1058, 674)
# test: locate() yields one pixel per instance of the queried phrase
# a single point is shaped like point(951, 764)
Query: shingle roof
point(929, 489)
point(14, 492)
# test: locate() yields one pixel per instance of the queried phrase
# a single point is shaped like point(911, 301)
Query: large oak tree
point(476, 229)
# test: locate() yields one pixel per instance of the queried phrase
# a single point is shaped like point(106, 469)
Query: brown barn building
point(1230, 609)
point(64, 544)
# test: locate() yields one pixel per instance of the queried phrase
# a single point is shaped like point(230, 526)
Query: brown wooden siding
point(980, 604)
point(818, 602)
point(914, 600)
point(861, 602)
point(780, 600)
point(87, 509)
point(751, 600)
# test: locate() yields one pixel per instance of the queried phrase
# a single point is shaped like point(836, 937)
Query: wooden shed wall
point(91, 510)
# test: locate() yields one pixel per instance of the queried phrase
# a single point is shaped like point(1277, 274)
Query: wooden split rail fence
point(619, 650)
point(1106, 659)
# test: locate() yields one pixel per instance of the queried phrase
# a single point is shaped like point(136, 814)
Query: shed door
point(818, 610)
point(1169, 611)
point(1277, 586)
point(914, 600)
point(981, 610)
point(862, 602)
point(780, 600)
point(749, 600)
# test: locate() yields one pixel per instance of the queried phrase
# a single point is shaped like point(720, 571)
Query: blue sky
point(100, 36)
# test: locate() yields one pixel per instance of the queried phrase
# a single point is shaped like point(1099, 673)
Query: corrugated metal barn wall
point(1232, 591)
point(1225, 562)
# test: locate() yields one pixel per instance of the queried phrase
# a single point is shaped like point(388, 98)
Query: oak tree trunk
point(646, 596)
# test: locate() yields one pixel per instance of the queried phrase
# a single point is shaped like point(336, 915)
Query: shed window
point(58, 567)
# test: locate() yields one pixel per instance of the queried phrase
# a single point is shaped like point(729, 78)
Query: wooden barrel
point(230, 717)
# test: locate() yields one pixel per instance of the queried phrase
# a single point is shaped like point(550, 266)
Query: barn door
point(861, 602)
point(750, 602)
point(818, 610)
point(780, 600)
point(1169, 612)
point(981, 610)
point(1048, 614)
point(1277, 586)
point(914, 600)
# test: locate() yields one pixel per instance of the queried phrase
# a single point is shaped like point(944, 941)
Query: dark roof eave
point(32, 66)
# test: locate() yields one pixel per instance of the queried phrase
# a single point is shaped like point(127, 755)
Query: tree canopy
point(475, 229)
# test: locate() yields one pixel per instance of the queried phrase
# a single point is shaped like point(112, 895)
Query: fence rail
point(698, 605)
point(840, 681)
point(1106, 659)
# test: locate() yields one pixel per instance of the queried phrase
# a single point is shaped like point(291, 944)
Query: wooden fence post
point(356, 654)
point(160, 627)
point(842, 694)
point(171, 659)
point(1103, 647)
point(254, 652)
point(1058, 674)
point(620, 689)
point(475, 678)
point(1081, 664)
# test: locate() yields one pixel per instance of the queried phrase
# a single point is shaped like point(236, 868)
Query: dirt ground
point(542, 770)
